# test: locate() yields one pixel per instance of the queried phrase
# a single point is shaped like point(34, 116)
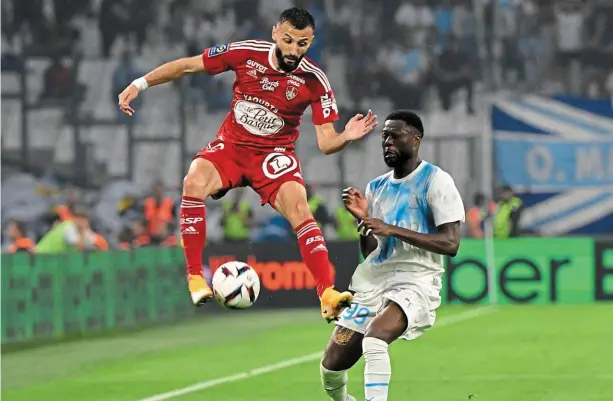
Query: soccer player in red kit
point(274, 85)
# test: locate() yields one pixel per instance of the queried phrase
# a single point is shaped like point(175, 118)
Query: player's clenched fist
point(126, 97)
point(355, 202)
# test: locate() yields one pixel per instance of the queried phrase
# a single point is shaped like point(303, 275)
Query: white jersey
point(422, 201)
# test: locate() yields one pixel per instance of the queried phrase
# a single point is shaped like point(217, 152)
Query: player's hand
point(355, 202)
point(360, 125)
point(126, 97)
point(370, 225)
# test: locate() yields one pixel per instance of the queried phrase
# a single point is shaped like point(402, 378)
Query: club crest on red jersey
point(291, 92)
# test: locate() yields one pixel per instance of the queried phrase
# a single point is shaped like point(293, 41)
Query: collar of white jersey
point(410, 176)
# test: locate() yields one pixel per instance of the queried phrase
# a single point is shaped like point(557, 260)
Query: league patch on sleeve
point(218, 49)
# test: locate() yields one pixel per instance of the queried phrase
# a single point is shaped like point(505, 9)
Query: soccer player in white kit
point(409, 219)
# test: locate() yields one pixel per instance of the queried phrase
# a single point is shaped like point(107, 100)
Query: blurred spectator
point(17, 235)
point(416, 17)
point(124, 74)
point(508, 214)
point(453, 71)
point(159, 211)
point(443, 16)
point(318, 208)
point(100, 242)
point(67, 236)
point(141, 16)
point(477, 214)
point(114, 20)
point(530, 42)
point(165, 237)
point(346, 225)
point(465, 28)
point(569, 21)
point(57, 83)
point(11, 60)
point(406, 74)
point(64, 210)
point(237, 218)
point(598, 52)
point(140, 237)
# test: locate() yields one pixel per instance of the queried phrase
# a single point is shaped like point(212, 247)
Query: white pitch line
point(453, 319)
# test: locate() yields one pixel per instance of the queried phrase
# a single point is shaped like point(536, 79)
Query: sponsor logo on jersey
point(269, 85)
point(263, 102)
point(297, 79)
point(218, 49)
point(295, 83)
point(277, 164)
point(259, 67)
point(328, 103)
point(253, 74)
point(257, 119)
point(291, 92)
point(280, 149)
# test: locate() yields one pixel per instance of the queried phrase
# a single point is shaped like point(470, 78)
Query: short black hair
point(299, 18)
point(409, 117)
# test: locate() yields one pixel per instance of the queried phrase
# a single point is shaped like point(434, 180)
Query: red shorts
point(263, 170)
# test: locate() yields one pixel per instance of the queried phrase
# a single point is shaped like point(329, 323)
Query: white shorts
point(366, 305)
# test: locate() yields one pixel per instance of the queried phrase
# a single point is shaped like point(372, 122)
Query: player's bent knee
point(201, 180)
point(332, 360)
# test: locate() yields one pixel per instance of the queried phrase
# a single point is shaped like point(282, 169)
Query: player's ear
point(274, 32)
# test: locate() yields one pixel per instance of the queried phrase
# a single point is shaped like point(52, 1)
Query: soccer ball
point(236, 285)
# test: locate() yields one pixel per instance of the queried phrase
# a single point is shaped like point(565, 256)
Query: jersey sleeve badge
point(218, 49)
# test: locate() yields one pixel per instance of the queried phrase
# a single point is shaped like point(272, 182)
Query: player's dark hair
point(299, 18)
point(410, 118)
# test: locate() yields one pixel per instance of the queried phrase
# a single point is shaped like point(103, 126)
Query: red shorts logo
point(277, 164)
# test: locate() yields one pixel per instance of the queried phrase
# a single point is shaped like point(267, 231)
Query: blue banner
point(557, 154)
point(555, 164)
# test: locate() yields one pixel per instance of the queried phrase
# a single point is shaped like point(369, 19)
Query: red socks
point(315, 254)
point(193, 233)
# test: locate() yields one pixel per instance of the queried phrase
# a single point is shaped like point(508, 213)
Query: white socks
point(335, 383)
point(378, 370)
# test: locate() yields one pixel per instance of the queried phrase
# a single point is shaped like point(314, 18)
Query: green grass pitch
point(527, 353)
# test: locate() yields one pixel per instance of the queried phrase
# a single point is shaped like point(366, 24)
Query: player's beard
point(396, 159)
point(283, 65)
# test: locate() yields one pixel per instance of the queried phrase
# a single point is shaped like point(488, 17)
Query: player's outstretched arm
point(445, 242)
point(162, 74)
point(330, 141)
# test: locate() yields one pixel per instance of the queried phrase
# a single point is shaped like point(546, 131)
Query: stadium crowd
point(152, 221)
point(400, 50)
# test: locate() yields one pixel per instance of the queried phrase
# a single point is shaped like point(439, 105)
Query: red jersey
point(268, 103)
